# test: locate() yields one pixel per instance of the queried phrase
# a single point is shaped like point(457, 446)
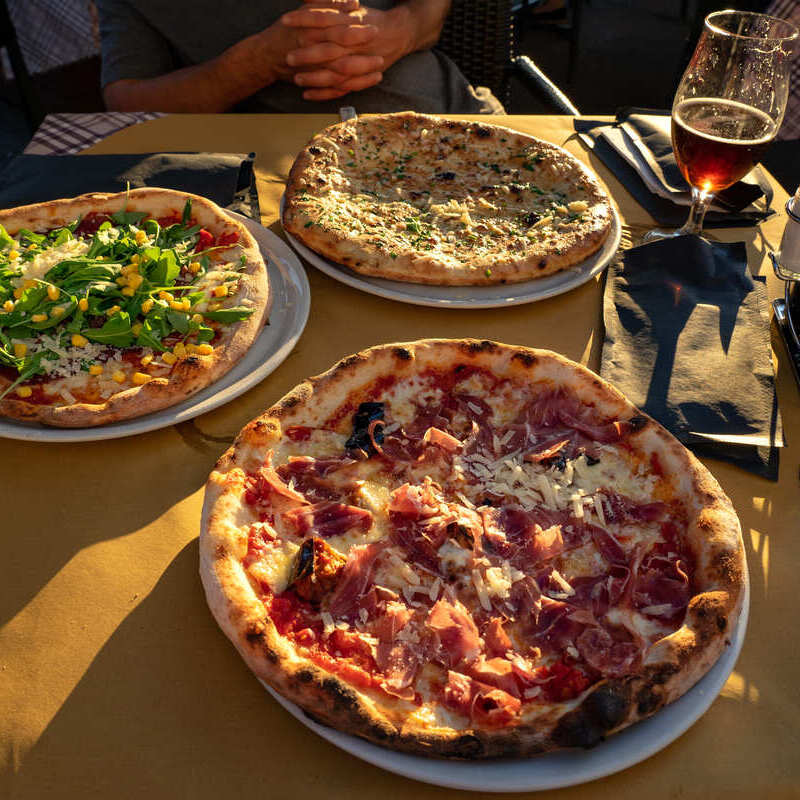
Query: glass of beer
point(729, 105)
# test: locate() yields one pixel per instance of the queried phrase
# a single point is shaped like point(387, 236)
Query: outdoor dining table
point(115, 681)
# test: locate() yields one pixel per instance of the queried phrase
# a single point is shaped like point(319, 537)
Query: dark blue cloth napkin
point(226, 178)
point(687, 339)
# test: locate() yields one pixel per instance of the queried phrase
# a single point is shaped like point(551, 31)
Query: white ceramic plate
point(291, 298)
point(551, 770)
point(507, 294)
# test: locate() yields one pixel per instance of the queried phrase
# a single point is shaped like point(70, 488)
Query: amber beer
point(717, 142)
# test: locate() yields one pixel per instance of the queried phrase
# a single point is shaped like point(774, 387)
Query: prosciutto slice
point(479, 701)
point(311, 477)
point(327, 519)
point(662, 587)
point(496, 639)
point(265, 482)
point(456, 630)
point(355, 578)
point(609, 657)
point(497, 672)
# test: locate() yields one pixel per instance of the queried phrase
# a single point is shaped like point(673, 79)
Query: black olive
point(360, 438)
point(445, 176)
point(531, 218)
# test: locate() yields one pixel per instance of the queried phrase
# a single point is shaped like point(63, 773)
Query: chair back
point(479, 36)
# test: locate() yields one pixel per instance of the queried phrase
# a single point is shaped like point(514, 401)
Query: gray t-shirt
point(147, 38)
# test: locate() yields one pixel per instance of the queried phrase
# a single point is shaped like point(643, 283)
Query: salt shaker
point(787, 259)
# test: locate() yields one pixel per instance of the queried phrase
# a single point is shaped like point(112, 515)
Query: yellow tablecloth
point(114, 679)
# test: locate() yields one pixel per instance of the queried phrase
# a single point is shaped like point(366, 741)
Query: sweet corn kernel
point(18, 292)
point(186, 304)
point(8, 305)
point(141, 237)
point(135, 258)
point(33, 246)
point(220, 291)
point(166, 296)
point(136, 328)
point(79, 341)
point(83, 304)
point(176, 305)
point(122, 280)
point(118, 376)
point(195, 266)
point(13, 255)
point(113, 310)
point(135, 280)
point(24, 391)
point(147, 305)
point(213, 306)
point(53, 292)
point(179, 349)
point(191, 349)
point(96, 369)
point(141, 377)
point(169, 358)
point(204, 349)
point(198, 318)
point(38, 317)
point(145, 360)
point(20, 348)
point(56, 311)
point(29, 284)
point(129, 291)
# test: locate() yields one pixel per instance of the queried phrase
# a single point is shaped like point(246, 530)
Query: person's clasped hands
point(333, 47)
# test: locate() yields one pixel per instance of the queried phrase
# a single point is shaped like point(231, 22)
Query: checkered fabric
point(60, 134)
point(790, 10)
point(54, 32)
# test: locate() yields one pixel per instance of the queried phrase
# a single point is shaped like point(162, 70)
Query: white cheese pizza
point(416, 198)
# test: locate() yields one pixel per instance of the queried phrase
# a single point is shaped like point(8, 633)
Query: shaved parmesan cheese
point(480, 588)
point(498, 581)
point(43, 262)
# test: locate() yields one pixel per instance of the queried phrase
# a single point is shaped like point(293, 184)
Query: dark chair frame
point(479, 36)
point(31, 104)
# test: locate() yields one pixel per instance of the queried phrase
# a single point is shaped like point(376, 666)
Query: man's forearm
point(216, 85)
point(428, 18)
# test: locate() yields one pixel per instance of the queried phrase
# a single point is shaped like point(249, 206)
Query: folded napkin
point(226, 178)
point(687, 339)
point(637, 148)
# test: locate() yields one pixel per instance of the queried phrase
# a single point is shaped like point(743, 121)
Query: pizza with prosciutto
point(116, 305)
point(467, 549)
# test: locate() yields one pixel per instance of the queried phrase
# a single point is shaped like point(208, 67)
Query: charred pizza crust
point(416, 198)
point(192, 372)
point(670, 667)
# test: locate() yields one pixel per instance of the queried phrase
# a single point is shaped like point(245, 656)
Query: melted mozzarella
point(275, 570)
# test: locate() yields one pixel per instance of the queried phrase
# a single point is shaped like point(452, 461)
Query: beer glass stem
point(700, 203)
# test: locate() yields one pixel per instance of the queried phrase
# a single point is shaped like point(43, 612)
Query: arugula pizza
point(467, 549)
point(113, 306)
point(416, 198)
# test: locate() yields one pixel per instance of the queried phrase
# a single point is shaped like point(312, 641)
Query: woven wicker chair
point(479, 36)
